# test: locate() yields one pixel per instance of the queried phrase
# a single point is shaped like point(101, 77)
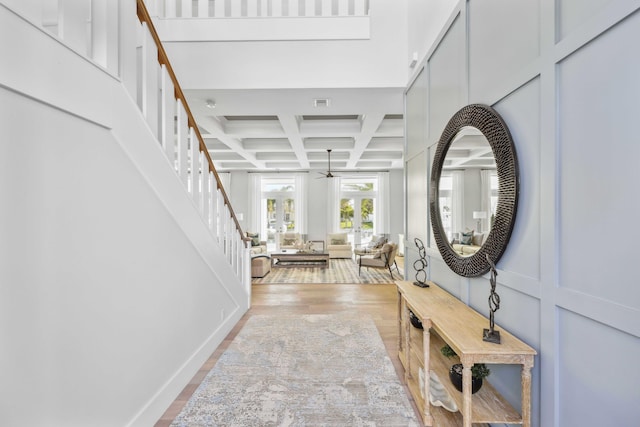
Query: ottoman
point(260, 265)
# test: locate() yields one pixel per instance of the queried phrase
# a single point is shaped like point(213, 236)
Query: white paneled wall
point(561, 75)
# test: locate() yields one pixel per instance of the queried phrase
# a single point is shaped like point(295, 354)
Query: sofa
point(468, 243)
point(257, 246)
point(260, 265)
point(338, 245)
point(289, 240)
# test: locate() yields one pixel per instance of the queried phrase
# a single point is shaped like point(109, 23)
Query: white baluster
point(73, 24)
point(215, 212)
point(50, 16)
point(129, 27)
point(183, 142)
point(204, 185)
point(203, 8)
point(168, 114)
point(310, 8)
point(236, 9)
point(187, 9)
point(220, 220)
point(99, 27)
point(211, 202)
point(229, 234)
point(276, 7)
point(170, 8)
point(252, 8)
point(150, 82)
point(326, 8)
point(153, 7)
point(194, 159)
point(343, 7)
point(294, 8)
point(219, 11)
point(359, 8)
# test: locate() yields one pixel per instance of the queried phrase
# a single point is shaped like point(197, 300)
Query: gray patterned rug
point(339, 271)
point(309, 370)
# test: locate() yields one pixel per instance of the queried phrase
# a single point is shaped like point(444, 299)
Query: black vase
point(455, 374)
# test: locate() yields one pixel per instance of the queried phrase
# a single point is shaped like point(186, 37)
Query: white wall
point(426, 20)
point(112, 290)
point(561, 76)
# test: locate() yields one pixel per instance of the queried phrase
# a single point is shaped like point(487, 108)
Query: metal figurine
point(420, 264)
point(491, 335)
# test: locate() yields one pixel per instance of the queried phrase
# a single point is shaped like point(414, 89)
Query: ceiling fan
point(328, 173)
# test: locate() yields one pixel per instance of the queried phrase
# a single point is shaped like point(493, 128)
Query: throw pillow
point(289, 242)
point(255, 238)
point(337, 242)
point(478, 239)
point(466, 237)
point(381, 241)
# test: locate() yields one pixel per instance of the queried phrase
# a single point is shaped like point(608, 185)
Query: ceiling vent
point(321, 102)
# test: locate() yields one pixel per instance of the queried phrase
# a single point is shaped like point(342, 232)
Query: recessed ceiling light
point(321, 102)
point(211, 103)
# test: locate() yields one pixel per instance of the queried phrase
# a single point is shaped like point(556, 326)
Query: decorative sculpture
point(420, 264)
point(491, 335)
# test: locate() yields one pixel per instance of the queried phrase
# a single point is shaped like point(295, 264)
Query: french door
point(357, 218)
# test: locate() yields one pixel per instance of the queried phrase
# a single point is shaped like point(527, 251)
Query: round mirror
point(474, 190)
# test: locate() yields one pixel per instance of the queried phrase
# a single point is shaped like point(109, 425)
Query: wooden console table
point(446, 319)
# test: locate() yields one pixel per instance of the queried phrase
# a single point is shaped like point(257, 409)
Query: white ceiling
point(284, 130)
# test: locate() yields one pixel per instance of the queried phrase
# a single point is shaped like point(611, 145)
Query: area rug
point(339, 271)
point(304, 370)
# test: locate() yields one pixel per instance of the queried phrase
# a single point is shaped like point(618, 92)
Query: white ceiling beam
point(370, 123)
point(290, 126)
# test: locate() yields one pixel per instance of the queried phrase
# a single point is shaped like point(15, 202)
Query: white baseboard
point(159, 403)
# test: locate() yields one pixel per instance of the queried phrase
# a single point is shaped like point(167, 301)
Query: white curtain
point(333, 204)
point(485, 197)
point(383, 222)
point(301, 202)
point(256, 224)
point(457, 201)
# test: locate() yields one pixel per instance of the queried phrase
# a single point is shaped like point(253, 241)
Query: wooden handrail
point(143, 16)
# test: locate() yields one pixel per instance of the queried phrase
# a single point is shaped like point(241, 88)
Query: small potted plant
point(478, 371)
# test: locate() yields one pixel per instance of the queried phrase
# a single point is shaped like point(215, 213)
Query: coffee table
point(294, 258)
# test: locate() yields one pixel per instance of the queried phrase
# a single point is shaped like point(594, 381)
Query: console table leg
point(466, 393)
point(426, 346)
point(526, 394)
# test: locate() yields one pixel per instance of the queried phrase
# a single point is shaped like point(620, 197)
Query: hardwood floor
point(378, 301)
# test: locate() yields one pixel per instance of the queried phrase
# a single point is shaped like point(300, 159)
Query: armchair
point(338, 245)
point(373, 246)
point(384, 258)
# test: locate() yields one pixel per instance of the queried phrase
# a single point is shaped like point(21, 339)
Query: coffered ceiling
point(292, 129)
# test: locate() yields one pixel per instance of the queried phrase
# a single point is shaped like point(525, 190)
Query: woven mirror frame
point(489, 122)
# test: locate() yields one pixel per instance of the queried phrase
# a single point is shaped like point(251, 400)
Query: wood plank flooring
point(378, 301)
